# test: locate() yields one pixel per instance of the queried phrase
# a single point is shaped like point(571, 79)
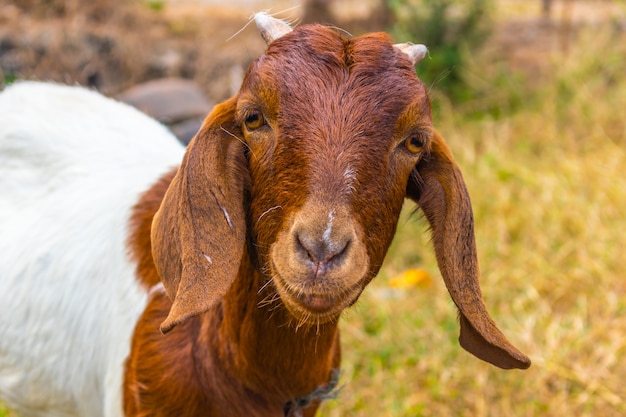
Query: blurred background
point(531, 97)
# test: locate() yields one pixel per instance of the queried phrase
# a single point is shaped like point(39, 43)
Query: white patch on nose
point(208, 258)
point(329, 230)
point(350, 175)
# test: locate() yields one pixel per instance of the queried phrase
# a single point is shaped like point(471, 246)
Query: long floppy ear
point(438, 188)
point(198, 233)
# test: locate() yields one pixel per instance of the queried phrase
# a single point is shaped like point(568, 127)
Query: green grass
point(548, 186)
point(4, 412)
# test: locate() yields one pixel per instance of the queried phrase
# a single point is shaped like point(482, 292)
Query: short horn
point(270, 28)
point(415, 52)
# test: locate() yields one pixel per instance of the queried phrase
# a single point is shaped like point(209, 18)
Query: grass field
point(547, 177)
point(548, 186)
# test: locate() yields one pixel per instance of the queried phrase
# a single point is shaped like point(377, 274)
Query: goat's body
point(72, 164)
point(244, 357)
point(80, 301)
point(281, 212)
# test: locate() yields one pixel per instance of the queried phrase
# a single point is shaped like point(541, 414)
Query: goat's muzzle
point(319, 262)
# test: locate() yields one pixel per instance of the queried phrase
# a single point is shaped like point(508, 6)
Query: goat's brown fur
point(238, 232)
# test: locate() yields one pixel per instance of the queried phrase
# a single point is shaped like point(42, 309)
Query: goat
point(244, 256)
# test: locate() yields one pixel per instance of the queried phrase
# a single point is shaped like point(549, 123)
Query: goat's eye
point(414, 142)
point(254, 120)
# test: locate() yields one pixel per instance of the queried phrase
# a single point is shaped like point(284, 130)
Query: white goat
point(72, 165)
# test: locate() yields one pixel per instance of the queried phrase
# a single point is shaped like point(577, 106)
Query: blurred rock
point(185, 131)
point(178, 103)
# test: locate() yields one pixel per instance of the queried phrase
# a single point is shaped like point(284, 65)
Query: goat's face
point(309, 165)
point(333, 129)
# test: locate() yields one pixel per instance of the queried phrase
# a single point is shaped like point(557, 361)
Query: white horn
point(270, 27)
point(415, 52)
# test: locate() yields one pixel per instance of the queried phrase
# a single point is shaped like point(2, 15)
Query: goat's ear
point(198, 233)
point(437, 186)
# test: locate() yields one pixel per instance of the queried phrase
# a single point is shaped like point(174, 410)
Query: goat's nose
point(322, 252)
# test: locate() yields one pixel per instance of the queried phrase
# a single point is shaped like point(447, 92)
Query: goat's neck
point(240, 357)
point(261, 345)
point(240, 349)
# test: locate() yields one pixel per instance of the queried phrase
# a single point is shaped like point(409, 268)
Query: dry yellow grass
point(548, 186)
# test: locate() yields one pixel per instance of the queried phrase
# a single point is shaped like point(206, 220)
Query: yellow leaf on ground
point(411, 278)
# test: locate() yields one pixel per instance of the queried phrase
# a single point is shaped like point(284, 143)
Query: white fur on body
point(72, 164)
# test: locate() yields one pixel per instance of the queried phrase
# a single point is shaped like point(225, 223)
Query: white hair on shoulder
point(72, 164)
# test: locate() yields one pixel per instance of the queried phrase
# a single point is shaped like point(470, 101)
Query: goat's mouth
point(315, 307)
point(319, 303)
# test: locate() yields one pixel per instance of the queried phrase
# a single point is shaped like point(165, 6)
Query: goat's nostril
point(321, 252)
point(341, 250)
point(303, 249)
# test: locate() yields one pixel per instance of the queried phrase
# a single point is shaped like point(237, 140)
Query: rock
point(185, 131)
point(176, 102)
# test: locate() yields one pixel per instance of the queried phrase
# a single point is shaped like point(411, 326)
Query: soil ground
point(113, 45)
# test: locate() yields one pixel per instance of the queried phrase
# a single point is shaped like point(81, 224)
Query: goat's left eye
point(254, 120)
point(414, 143)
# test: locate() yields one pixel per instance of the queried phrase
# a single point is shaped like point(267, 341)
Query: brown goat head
point(310, 164)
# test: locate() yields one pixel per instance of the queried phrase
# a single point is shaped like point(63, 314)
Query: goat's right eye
point(254, 120)
point(414, 143)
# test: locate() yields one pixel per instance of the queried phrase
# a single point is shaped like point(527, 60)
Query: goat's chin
point(315, 308)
